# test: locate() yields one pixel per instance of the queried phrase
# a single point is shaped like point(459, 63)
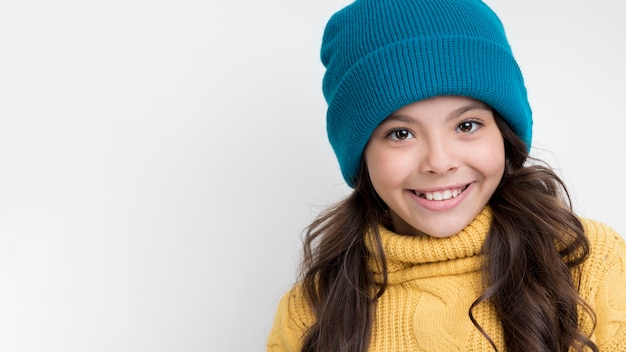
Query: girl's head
point(436, 163)
point(382, 56)
point(433, 165)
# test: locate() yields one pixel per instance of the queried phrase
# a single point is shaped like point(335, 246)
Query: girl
point(454, 239)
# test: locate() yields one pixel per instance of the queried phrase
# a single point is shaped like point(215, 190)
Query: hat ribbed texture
point(381, 55)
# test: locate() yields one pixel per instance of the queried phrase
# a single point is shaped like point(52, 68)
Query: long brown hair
point(534, 244)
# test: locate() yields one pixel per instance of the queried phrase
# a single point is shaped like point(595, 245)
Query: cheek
point(492, 159)
point(387, 169)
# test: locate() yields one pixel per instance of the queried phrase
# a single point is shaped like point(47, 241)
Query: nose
point(438, 156)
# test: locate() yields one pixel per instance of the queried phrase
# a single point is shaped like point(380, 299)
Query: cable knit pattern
point(433, 282)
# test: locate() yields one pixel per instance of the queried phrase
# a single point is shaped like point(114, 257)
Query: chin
point(443, 230)
point(443, 234)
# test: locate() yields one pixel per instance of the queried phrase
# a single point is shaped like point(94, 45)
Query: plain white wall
point(159, 159)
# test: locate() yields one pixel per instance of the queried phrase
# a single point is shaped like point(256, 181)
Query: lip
point(441, 205)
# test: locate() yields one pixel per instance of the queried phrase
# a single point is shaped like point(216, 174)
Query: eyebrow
point(454, 114)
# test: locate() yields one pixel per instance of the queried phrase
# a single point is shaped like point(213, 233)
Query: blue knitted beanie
point(381, 55)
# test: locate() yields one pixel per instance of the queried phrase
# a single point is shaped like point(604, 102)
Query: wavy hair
point(534, 247)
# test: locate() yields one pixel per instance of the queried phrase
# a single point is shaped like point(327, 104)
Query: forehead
point(446, 107)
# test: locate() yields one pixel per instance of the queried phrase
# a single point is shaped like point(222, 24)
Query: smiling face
point(436, 163)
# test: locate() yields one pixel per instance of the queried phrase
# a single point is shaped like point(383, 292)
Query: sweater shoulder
point(607, 249)
point(604, 241)
point(602, 284)
point(292, 319)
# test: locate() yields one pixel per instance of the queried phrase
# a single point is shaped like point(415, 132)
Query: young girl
point(453, 239)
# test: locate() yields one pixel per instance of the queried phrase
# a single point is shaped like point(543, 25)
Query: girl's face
point(436, 163)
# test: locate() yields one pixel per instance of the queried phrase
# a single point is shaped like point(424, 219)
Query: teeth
point(444, 195)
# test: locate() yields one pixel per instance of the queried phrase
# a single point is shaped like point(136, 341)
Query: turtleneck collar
point(409, 257)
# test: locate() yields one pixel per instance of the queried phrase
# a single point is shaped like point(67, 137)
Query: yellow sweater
point(433, 282)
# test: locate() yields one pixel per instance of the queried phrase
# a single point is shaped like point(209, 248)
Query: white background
point(159, 159)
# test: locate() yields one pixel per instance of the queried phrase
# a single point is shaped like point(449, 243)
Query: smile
point(442, 195)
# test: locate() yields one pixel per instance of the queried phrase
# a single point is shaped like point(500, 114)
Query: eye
point(399, 134)
point(468, 126)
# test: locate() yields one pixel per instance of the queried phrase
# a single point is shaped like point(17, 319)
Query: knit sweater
point(433, 281)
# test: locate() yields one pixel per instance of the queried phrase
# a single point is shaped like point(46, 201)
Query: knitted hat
point(381, 55)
